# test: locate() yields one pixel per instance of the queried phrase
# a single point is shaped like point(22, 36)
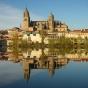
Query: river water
point(47, 68)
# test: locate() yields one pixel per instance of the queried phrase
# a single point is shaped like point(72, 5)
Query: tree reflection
point(43, 58)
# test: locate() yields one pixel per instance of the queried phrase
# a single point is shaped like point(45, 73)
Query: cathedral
point(31, 30)
point(50, 25)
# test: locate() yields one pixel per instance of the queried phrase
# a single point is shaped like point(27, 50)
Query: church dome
point(51, 15)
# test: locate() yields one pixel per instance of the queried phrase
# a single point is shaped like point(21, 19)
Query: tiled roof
point(81, 31)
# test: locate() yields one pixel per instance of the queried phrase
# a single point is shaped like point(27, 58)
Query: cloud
point(11, 16)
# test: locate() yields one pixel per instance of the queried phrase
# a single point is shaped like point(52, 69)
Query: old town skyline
point(73, 13)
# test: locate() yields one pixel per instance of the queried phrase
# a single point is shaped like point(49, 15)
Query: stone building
point(50, 25)
point(33, 30)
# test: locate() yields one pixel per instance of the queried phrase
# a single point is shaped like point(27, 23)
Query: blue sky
point(73, 12)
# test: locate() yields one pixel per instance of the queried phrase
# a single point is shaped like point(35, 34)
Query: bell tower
point(26, 20)
point(51, 22)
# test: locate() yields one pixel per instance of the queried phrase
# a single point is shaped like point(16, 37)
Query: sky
point(72, 12)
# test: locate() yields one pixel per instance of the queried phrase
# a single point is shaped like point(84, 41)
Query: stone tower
point(26, 69)
point(26, 20)
point(51, 22)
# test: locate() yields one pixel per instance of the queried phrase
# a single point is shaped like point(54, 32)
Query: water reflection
point(49, 59)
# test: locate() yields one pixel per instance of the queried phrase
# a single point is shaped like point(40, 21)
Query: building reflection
point(49, 59)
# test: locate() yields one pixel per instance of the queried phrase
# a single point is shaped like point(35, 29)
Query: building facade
point(33, 30)
point(49, 25)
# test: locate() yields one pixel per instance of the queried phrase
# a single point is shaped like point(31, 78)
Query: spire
point(26, 20)
point(26, 13)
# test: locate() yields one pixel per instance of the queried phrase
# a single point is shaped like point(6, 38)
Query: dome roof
point(51, 14)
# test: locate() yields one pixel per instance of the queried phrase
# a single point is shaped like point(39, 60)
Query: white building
point(34, 37)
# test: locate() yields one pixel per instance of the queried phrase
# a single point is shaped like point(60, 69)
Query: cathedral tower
point(26, 69)
point(26, 20)
point(51, 22)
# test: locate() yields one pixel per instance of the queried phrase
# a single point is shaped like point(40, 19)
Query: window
point(25, 19)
